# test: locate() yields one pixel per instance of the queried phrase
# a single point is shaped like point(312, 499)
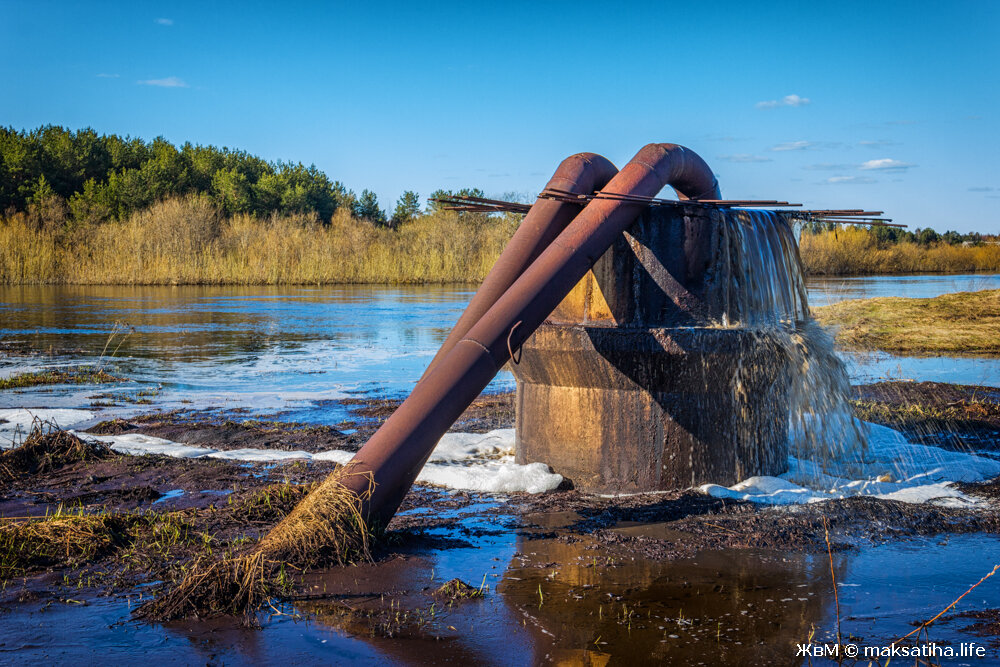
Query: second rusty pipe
point(396, 452)
point(581, 173)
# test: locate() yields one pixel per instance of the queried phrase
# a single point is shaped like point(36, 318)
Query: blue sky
point(886, 105)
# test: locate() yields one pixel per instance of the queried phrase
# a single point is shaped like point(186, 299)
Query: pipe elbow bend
point(682, 169)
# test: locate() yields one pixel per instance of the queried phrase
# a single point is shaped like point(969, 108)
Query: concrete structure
point(665, 366)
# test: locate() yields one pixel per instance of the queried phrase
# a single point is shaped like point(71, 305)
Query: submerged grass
point(74, 538)
point(959, 323)
point(65, 376)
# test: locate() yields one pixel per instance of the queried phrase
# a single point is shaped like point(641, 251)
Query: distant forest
point(84, 178)
point(85, 208)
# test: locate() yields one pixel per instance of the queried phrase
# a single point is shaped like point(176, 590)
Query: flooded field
point(244, 389)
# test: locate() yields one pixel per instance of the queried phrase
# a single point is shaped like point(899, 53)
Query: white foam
point(17, 421)
point(891, 468)
point(335, 455)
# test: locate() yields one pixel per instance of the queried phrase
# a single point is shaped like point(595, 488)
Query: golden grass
point(185, 241)
point(68, 376)
point(960, 323)
point(325, 528)
point(856, 251)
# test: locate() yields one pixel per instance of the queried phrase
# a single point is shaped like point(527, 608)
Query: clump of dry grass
point(456, 589)
point(233, 586)
point(60, 539)
point(326, 528)
point(48, 448)
point(961, 323)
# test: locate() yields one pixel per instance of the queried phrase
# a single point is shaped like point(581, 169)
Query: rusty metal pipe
point(398, 450)
point(582, 173)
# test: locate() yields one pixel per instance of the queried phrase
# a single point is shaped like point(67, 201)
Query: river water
point(295, 350)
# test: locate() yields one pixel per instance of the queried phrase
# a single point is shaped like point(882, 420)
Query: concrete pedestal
point(632, 385)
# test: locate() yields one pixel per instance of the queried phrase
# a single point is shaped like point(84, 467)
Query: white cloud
point(885, 164)
point(103, 75)
point(786, 101)
point(793, 146)
point(850, 180)
point(744, 157)
point(165, 21)
point(169, 82)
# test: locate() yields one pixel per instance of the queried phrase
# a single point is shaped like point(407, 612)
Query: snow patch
point(892, 468)
point(464, 461)
point(15, 423)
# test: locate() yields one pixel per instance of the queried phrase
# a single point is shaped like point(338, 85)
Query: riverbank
point(966, 323)
point(187, 241)
point(646, 575)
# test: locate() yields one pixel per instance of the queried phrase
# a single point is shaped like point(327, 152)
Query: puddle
point(169, 495)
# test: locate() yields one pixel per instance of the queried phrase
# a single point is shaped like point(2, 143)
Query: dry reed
point(326, 528)
point(185, 241)
point(850, 251)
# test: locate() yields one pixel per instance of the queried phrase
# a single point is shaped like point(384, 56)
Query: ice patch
point(259, 455)
point(892, 468)
point(464, 461)
point(461, 446)
point(137, 444)
point(16, 422)
point(503, 476)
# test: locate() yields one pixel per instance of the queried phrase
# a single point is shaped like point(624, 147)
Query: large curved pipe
point(582, 173)
point(398, 450)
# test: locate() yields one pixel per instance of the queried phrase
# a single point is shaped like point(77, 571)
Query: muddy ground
point(193, 507)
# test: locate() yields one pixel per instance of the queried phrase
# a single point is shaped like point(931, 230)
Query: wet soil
point(963, 417)
point(229, 430)
point(588, 577)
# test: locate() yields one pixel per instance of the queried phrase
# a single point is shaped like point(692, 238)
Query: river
point(295, 350)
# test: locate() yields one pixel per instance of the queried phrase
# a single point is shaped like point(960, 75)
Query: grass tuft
point(48, 448)
point(326, 528)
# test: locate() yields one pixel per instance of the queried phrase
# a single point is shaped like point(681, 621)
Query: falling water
point(767, 298)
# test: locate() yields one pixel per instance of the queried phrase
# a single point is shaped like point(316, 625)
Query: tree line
point(79, 178)
point(885, 235)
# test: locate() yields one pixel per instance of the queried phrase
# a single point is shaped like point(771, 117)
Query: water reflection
point(586, 606)
point(210, 344)
point(291, 347)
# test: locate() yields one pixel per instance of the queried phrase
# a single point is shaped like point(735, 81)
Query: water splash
point(767, 298)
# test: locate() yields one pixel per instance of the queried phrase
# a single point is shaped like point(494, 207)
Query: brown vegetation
point(856, 251)
point(959, 323)
point(186, 241)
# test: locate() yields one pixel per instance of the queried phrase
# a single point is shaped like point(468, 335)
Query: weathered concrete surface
point(633, 385)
